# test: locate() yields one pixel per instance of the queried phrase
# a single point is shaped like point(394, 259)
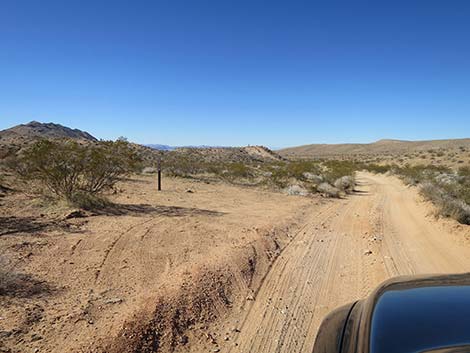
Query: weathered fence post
point(159, 170)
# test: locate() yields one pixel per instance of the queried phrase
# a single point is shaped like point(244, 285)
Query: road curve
point(342, 255)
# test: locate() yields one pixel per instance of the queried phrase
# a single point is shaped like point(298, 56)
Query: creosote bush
point(75, 171)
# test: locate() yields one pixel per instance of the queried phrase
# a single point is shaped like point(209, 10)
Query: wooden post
point(159, 170)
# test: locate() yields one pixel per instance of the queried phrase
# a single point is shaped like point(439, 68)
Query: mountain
point(161, 147)
point(24, 133)
point(171, 148)
point(16, 138)
point(380, 147)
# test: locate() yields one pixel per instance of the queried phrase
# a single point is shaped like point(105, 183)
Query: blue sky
point(238, 72)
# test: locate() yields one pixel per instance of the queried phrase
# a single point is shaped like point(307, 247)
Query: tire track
point(342, 256)
point(113, 244)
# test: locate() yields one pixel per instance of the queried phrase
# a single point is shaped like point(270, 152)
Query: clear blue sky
point(238, 72)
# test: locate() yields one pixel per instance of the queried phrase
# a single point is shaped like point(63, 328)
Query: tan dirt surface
point(211, 267)
point(78, 280)
point(382, 231)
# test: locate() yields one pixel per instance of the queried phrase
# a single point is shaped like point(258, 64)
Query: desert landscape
point(244, 249)
point(234, 176)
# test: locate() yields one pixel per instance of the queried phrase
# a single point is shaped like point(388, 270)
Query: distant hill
point(231, 154)
point(161, 147)
point(16, 138)
point(171, 148)
point(381, 147)
point(34, 130)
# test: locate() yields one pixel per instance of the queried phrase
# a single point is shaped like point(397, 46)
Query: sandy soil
point(80, 280)
point(383, 231)
point(220, 268)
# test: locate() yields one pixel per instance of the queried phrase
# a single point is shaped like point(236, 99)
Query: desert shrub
point(464, 184)
point(456, 209)
point(414, 175)
point(189, 166)
point(182, 167)
point(69, 169)
point(345, 183)
point(237, 170)
point(336, 169)
point(377, 168)
point(149, 170)
point(464, 172)
point(314, 178)
point(449, 191)
point(295, 169)
point(328, 190)
point(295, 190)
point(448, 205)
point(282, 173)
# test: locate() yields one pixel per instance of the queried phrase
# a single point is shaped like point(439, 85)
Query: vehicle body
point(404, 315)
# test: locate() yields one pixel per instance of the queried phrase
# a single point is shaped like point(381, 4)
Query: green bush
point(336, 169)
point(237, 170)
point(70, 170)
point(377, 168)
point(417, 174)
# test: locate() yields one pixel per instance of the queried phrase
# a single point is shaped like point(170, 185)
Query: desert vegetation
point(450, 153)
point(447, 188)
point(294, 177)
point(252, 166)
point(145, 266)
point(75, 172)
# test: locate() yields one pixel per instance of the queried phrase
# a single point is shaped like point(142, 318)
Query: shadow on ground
point(360, 193)
point(145, 209)
point(20, 285)
point(31, 225)
point(11, 225)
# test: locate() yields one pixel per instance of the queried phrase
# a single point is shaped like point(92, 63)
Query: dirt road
point(341, 255)
point(245, 270)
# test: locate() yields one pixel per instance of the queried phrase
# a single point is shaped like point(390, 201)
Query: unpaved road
point(342, 254)
point(212, 246)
